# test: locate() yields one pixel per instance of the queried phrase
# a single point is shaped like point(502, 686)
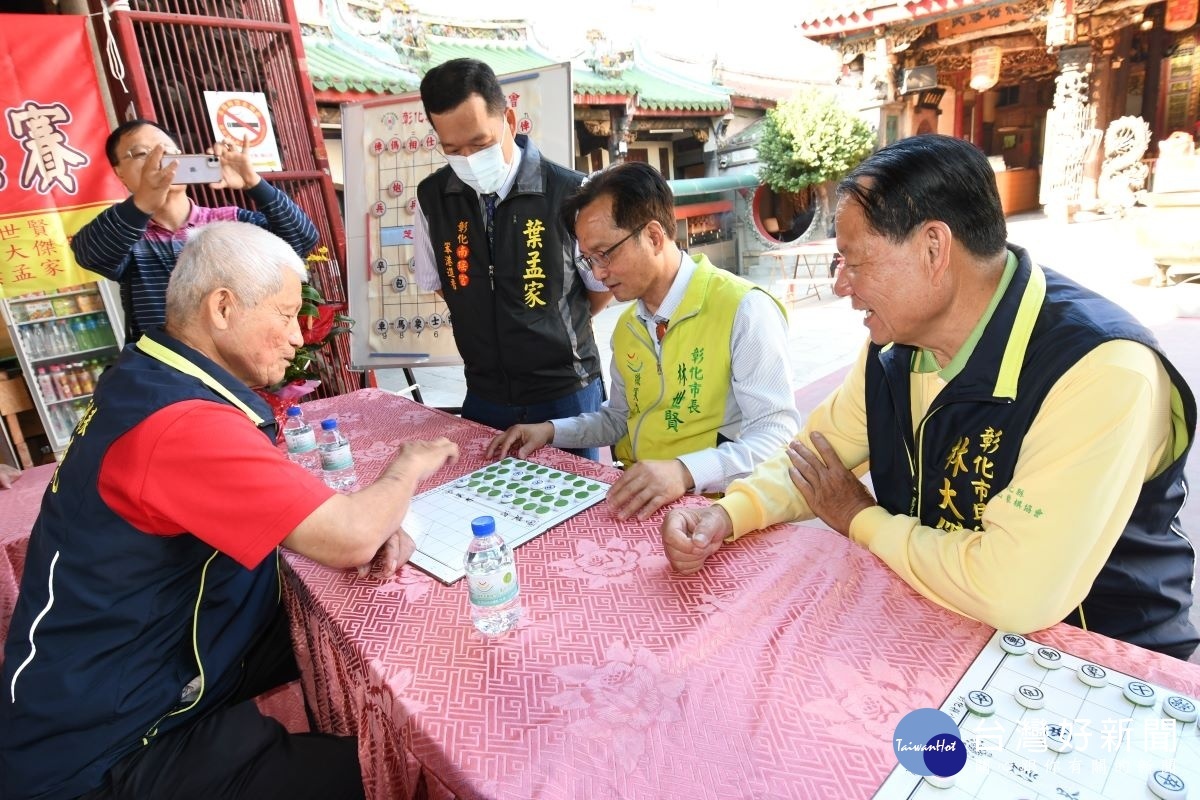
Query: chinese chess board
point(1040, 723)
point(524, 498)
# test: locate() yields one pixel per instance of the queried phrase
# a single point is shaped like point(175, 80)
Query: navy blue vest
point(522, 320)
point(121, 621)
point(972, 436)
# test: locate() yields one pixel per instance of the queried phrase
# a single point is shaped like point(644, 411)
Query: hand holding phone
point(195, 168)
point(236, 168)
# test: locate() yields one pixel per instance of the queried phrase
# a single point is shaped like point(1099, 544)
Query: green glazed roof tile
point(342, 66)
point(501, 56)
point(335, 66)
point(654, 90)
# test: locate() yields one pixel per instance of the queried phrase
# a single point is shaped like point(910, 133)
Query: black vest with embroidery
point(970, 439)
point(521, 320)
point(120, 620)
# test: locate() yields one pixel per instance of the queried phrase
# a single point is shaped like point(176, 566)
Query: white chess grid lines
point(1118, 747)
point(524, 498)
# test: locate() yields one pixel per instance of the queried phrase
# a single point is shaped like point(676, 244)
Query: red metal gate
point(172, 51)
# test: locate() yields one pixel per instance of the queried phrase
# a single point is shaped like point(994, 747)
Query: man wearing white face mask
point(521, 308)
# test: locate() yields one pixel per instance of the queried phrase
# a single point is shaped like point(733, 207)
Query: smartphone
point(196, 168)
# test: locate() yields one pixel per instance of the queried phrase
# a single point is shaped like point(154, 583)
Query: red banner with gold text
point(54, 177)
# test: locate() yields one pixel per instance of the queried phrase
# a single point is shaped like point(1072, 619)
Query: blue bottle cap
point(294, 411)
point(328, 424)
point(483, 526)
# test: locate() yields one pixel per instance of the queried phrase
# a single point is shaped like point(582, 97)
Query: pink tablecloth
point(19, 508)
point(781, 670)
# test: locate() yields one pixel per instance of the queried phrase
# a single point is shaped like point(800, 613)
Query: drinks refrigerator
point(64, 339)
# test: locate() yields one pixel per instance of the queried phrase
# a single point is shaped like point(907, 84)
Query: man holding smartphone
point(136, 242)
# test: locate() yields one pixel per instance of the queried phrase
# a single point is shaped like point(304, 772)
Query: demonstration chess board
point(1040, 723)
point(524, 498)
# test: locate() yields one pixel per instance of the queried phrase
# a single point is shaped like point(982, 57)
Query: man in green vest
point(701, 378)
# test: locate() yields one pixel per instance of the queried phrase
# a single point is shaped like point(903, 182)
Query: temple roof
point(341, 58)
point(335, 66)
point(827, 17)
point(501, 56)
point(652, 87)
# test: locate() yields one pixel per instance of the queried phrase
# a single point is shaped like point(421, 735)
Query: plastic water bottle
point(301, 441)
point(38, 341)
point(336, 460)
point(491, 580)
point(64, 341)
point(32, 342)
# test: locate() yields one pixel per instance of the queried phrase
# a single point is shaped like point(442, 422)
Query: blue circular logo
point(927, 742)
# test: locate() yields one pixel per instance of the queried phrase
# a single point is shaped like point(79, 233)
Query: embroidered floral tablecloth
point(781, 670)
point(19, 508)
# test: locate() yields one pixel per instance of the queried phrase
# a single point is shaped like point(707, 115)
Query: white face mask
point(484, 170)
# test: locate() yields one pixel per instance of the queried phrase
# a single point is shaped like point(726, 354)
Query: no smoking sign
point(245, 116)
point(239, 119)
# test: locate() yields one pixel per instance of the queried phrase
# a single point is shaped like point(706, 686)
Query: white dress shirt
point(760, 409)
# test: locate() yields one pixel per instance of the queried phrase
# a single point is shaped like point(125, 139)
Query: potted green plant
point(811, 141)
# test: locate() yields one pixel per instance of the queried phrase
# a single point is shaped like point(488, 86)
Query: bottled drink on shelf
point(104, 332)
point(46, 385)
point(29, 340)
point(72, 378)
point(61, 385)
point(64, 341)
point(53, 339)
point(42, 342)
point(83, 336)
point(86, 386)
point(337, 463)
point(492, 585)
point(38, 340)
point(60, 420)
point(301, 441)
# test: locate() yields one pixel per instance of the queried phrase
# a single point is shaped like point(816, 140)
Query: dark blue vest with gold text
point(120, 621)
point(966, 449)
point(522, 319)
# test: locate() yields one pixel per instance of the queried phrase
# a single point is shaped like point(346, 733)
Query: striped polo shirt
point(126, 245)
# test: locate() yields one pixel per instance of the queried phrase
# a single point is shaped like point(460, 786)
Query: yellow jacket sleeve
point(767, 495)
point(1103, 429)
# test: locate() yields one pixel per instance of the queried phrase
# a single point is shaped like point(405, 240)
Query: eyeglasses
point(140, 153)
point(603, 258)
